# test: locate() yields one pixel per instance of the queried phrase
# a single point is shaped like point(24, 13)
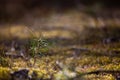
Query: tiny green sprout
point(37, 47)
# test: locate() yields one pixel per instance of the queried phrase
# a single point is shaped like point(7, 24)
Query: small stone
point(20, 75)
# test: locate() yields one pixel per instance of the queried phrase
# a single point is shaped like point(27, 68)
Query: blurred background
point(58, 18)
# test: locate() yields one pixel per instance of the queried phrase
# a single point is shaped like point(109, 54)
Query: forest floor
point(76, 43)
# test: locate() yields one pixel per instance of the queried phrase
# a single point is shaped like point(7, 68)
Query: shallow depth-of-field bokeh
point(59, 40)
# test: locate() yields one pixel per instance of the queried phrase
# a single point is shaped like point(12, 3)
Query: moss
point(36, 74)
point(4, 62)
point(95, 59)
point(99, 77)
point(4, 73)
point(112, 67)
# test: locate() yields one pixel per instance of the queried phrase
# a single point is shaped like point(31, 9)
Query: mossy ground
point(99, 57)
